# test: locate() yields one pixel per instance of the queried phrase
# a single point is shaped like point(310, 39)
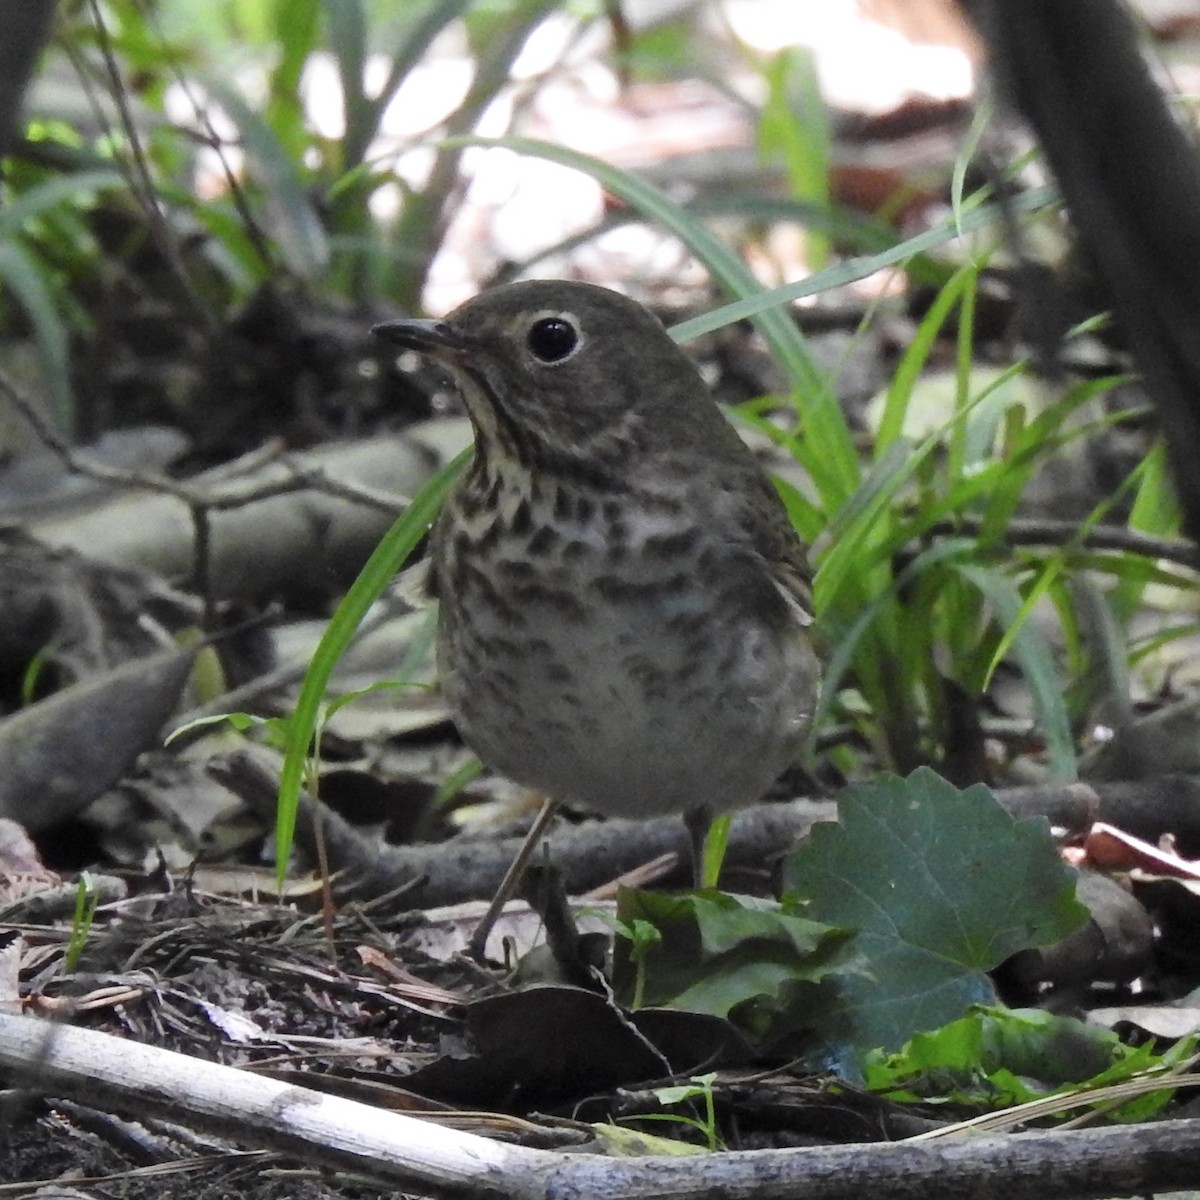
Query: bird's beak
point(435, 338)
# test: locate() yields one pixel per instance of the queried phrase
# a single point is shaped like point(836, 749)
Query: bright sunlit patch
point(563, 89)
point(862, 65)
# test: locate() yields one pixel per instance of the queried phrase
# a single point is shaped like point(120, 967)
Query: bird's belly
point(638, 704)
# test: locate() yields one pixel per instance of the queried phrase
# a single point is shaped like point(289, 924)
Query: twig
point(141, 180)
point(1050, 532)
point(201, 502)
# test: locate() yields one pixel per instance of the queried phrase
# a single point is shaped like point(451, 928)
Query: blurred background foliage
point(207, 205)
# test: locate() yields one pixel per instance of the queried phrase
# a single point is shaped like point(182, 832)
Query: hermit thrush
point(623, 602)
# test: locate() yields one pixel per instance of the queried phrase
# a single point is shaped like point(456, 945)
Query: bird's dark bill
point(427, 336)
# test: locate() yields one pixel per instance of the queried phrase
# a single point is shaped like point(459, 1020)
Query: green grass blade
point(916, 355)
point(966, 155)
point(855, 269)
point(1036, 660)
point(1156, 507)
point(1155, 642)
point(795, 128)
point(295, 36)
point(956, 451)
point(18, 210)
point(1034, 444)
point(374, 578)
point(1155, 511)
point(298, 231)
point(850, 230)
point(347, 24)
point(849, 644)
point(27, 282)
point(415, 41)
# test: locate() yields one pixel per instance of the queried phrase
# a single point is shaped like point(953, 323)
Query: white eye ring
point(553, 338)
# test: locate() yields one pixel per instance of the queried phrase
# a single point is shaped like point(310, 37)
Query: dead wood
point(1115, 945)
point(114, 1073)
point(595, 852)
point(280, 526)
point(27, 29)
point(79, 616)
point(63, 752)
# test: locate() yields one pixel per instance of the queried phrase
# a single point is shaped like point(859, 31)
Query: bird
point(625, 610)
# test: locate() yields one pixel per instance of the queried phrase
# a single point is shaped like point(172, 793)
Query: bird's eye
point(552, 339)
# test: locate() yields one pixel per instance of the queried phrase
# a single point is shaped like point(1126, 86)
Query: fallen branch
point(312, 516)
point(290, 522)
point(108, 1072)
point(593, 852)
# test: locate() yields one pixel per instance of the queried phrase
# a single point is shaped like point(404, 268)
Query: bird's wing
point(792, 579)
point(780, 547)
point(415, 584)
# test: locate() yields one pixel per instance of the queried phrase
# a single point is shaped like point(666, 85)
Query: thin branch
point(83, 464)
point(213, 141)
point(144, 189)
point(201, 502)
point(1050, 532)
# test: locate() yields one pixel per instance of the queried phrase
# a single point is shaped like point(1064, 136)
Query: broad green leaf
point(942, 885)
point(998, 1057)
point(961, 1060)
point(719, 952)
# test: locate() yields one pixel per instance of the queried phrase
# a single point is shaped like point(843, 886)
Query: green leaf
point(1155, 511)
point(47, 196)
point(421, 25)
point(715, 844)
point(240, 721)
point(942, 886)
point(850, 639)
point(718, 951)
point(915, 357)
point(962, 1060)
point(295, 38)
point(1156, 507)
point(794, 127)
point(347, 22)
point(855, 269)
point(997, 1057)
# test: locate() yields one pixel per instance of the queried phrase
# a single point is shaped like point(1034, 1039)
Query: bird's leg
point(512, 877)
point(698, 820)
